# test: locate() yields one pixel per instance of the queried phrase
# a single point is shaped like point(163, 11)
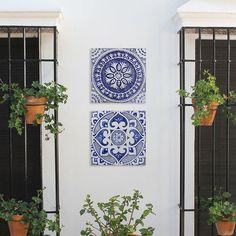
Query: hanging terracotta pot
point(225, 228)
point(209, 119)
point(34, 106)
point(16, 227)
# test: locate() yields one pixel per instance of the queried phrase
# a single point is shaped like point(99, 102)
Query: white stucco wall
point(89, 24)
point(105, 23)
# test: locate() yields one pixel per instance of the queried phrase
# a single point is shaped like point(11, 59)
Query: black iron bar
point(56, 135)
point(182, 138)
point(197, 176)
point(198, 130)
point(28, 26)
point(213, 130)
point(41, 141)
point(227, 121)
point(28, 60)
point(25, 131)
point(52, 212)
point(185, 105)
point(10, 130)
point(191, 210)
point(213, 127)
point(205, 27)
point(200, 52)
point(181, 118)
point(180, 86)
point(196, 28)
point(207, 60)
point(190, 105)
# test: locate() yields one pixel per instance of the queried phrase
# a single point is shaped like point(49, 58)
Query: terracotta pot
point(225, 228)
point(17, 228)
point(209, 119)
point(34, 106)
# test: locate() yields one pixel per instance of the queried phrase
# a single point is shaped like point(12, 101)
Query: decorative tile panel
point(118, 138)
point(118, 75)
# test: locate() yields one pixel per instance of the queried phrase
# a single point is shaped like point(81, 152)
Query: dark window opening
point(20, 178)
point(215, 153)
point(215, 149)
point(21, 156)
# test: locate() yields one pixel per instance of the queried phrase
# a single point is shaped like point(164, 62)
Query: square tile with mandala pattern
point(118, 75)
point(118, 138)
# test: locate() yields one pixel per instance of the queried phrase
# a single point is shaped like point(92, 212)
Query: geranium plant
point(117, 216)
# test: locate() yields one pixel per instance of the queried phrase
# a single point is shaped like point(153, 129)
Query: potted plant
point(117, 216)
point(221, 212)
point(37, 103)
point(206, 98)
point(27, 218)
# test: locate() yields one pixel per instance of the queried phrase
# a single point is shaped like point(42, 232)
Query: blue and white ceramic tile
point(118, 75)
point(118, 138)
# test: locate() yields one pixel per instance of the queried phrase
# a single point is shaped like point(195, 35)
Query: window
point(207, 154)
point(26, 54)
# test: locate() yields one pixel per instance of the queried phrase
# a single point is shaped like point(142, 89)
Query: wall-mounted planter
point(37, 102)
point(210, 117)
point(225, 228)
point(16, 227)
point(35, 106)
point(27, 218)
point(206, 98)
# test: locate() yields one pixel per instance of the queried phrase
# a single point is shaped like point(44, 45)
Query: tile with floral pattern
point(118, 75)
point(118, 138)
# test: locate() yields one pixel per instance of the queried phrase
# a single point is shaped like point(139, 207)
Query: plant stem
point(132, 212)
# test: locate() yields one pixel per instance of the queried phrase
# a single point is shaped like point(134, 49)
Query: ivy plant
point(227, 106)
point(32, 214)
point(219, 207)
point(116, 217)
point(203, 93)
point(54, 92)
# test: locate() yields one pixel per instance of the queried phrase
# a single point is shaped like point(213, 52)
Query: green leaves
point(31, 212)
point(227, 106)
point(226, 195)
point(221, 211)
point(204, 92)
point(147, 231)
point(15, 95)
point(219, 207)
point(82, 211)
point(117, 216)
point(183, 93)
